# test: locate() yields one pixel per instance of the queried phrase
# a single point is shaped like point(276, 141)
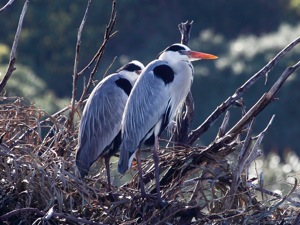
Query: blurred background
point(244, 34)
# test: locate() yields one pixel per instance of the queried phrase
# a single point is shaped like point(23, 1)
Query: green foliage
point(25, 83)
point(4, 53)
point(295, 5)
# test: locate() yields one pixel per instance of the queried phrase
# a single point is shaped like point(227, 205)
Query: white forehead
point(138, 63)
point(181, 45)
point(172, 52)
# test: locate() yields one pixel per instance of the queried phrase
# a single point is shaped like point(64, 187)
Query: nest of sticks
point(201, 184)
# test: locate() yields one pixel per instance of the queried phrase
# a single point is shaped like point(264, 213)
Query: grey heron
point(100, 125)
point(156, 98)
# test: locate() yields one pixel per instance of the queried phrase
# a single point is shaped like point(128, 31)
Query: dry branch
point(9, 3)
point(56, 216)
point(12, 58)
point(263, 102)
point(221, 146)
point(76, 61)
point(96, 59)
point(196, 133)
point(199, 183)
point(184, 123)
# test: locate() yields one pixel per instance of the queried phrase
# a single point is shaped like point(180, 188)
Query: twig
point(274, 207)
point(297, 220)
point(223, 125)
point(184, 124)
point(240, 167)
point(196, 133)
point(271, 193)
point(197, 157)
point(25, 211)
point(97, 58)
point(265, 100)
point(9, 3)
point(108, 68)
point(246, 157)
point(107, 35)
point(75, 70)
point(12, 57)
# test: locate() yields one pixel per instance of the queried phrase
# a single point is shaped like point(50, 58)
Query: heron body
point(100, 125)
point(155, 100)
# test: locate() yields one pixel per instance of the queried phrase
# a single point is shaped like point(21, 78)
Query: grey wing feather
point(146, 105)
point(100, 123)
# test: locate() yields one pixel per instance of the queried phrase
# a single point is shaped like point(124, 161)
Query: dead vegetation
point(202, 184)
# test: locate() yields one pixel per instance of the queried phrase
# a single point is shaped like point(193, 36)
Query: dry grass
point(38, 176)
point(202, 185)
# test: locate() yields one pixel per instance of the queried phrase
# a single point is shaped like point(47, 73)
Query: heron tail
point(123, 160)
point(126, 152)
point(82, 167)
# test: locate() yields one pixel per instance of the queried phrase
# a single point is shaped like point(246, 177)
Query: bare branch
point(96, 59)
point(108, 34)
point(240, 167)
point(75, 70)
point(297, 220)
point(185, 30)
point(9, 3)
point(108, 68)
point(184, 123)
point(223, 125)
point(12, 57)
point(265, 100)
point(195, 134)
point(68, 218)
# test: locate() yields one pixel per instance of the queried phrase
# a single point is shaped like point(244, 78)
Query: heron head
point(180, 51)
point(133, 66)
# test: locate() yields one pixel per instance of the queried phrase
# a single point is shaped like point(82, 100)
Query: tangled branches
point(202, 184)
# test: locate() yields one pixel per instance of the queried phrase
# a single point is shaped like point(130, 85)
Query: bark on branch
point(184, 123)
point(12, 58)
point(26, 211)
point(96, 59)
point(196, 133)
point(9, 3)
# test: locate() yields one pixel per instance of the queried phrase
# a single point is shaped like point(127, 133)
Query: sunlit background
point(244, 34)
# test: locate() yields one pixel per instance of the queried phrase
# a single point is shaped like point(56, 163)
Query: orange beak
point(193, 55)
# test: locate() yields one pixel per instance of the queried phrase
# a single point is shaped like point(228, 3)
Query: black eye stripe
point(175, 48)
point(130, 67)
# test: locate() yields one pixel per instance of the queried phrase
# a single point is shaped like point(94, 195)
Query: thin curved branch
point(260, 105)
point(196, 133)
point(266, 99)
point(96, 59)
point(25, 211)
point(75, 70)
point(12, 57)
point(108, 34)
point(9, 3)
